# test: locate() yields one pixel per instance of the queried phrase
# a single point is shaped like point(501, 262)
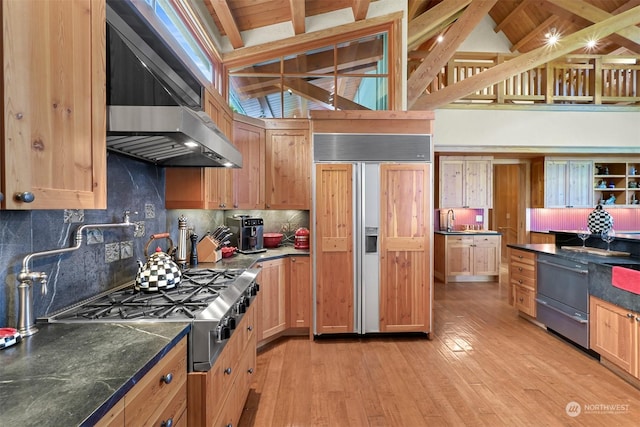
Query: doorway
point(509, 202)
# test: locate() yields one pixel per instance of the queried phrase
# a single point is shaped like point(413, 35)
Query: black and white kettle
point(160, 272)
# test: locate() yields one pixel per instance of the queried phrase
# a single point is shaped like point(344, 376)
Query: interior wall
point(537, 131)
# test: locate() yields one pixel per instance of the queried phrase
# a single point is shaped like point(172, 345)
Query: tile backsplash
point(106, 258)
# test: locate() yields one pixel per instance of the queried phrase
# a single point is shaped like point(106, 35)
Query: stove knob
point(254, 289)
point(231, 323)
point(247, 302)
point(241, 307)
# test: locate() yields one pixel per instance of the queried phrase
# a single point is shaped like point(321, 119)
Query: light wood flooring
point(484, 365)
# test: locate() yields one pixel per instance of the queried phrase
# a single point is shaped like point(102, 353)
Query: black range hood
point(154, 103)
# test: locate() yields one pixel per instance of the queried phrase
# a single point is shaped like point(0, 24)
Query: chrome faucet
point(451, 217)
point(26, 320)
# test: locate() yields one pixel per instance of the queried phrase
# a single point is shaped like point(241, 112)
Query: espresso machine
point(247, 233)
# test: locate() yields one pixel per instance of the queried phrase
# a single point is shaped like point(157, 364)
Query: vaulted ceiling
point(523, 22)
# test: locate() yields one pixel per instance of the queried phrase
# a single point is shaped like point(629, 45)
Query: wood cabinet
point(567, 183)
point(203, 188)
point(467, 257)
point(299, 291)
point(617, 182)
point(540, 237)
point(272, 308)
point(53, 105)
point(465, 182)
point(248, 181)
point(523, 281)
point(159, 398)
point(217, 397)
point(614, 332)
point(288, 165)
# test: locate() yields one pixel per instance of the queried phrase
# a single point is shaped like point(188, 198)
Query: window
point(350, 75)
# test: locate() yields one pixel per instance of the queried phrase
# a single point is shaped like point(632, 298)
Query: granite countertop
point(600, 272)
point(71, 374)
point(468, 233)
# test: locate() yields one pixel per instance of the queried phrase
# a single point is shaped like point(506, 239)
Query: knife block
point(208, 251)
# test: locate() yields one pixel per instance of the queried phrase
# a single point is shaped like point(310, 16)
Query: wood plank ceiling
point(523, 22)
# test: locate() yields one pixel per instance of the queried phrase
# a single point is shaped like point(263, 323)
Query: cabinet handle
point(637, 318)
point(521, 299)
point(167, 378)
point(519, 268)
point(520, 281)
point(26, 197)
point(293, 260)
point(630, 315)
point(250, 371)
point(227, 371)
point(168, 423)
point(249, 328)
point(268, 206)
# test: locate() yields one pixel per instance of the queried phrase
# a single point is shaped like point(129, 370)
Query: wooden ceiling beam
point(536, 33)
point(420, 29)
point(511, 16)
point(414, 8)
point(359, 8)
point(527, 61)
point(594, 14)
point(316, 93)
point(298, 13)
point(228, 22)
point(442, 52)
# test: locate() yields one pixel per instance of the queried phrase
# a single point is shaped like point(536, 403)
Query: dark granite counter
point(599, 267)
point(469, 233)
point(71, 374)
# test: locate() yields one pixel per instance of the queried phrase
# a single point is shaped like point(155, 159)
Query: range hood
point(154, 103)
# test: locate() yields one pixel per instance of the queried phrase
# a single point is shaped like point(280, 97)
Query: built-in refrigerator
point(371, 249)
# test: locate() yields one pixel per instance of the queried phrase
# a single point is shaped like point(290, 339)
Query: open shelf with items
point(617, 182)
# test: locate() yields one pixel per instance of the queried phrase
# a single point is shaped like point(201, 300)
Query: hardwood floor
point(484, 365)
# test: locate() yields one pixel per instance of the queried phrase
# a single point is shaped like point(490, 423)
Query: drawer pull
point(250, 370)
point(520, 281)
point(249, 328)
point(167, 378)
point(630, 315)
point(227, 371)
point(519, 268)
point(168, 423)
point(521, 299)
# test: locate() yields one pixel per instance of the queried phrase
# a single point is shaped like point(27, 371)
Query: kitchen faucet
point(451, 217)
point(26, 321)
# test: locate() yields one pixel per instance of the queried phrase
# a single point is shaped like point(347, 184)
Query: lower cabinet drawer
point(525, 300)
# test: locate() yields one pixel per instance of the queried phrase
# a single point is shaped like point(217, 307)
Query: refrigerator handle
point(370, 240)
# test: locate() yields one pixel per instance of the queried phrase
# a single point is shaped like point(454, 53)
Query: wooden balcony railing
point(573, 79)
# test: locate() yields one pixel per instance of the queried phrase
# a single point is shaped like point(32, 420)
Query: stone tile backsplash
point(77, 275)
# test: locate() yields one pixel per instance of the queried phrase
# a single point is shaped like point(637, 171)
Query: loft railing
point(573, 79)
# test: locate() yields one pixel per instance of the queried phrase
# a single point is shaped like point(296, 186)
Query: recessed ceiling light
point(591, 44)
point(553, 36)
point(440, 38)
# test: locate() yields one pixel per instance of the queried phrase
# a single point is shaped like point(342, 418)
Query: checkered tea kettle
point(159, 272)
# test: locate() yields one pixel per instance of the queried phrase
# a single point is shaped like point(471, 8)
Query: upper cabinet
point(466, 182)
point(617, 182)
point(561, 183)
point(53, 153)
point(288, 165)
point(248, 181)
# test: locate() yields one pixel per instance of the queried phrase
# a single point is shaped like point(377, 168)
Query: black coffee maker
point(248, 233)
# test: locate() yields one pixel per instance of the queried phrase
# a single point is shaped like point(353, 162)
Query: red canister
point(302, 238)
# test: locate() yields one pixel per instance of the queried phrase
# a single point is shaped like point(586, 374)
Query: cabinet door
point(459, 255)
point(555, 183)
point(334, 249)
point(478, 184)
point(272, 314)
point(451, 183)
point(287, 174)
point(486, 255)
point(405, 269)
point(299, 292)
point(248, 181)
point(612, 333)
point(193, 188)
point(54, 113)
point(580, 181)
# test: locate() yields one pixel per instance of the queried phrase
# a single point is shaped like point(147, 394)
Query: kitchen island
point(74, 373)
point(466, 256)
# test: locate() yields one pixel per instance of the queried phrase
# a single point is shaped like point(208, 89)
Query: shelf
point(618, 174)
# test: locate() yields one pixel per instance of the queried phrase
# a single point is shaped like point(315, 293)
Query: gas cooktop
point(197, 289)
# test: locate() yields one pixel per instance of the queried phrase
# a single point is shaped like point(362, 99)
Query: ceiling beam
point(526, 61)
point(298, 13)
point(316, 93)
point(511, 16)
point(535, 33)
point(594, 14)
point(442, 52)
point(228, 22)
point(420, 29)
point(360, 9)
point(414, 7)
